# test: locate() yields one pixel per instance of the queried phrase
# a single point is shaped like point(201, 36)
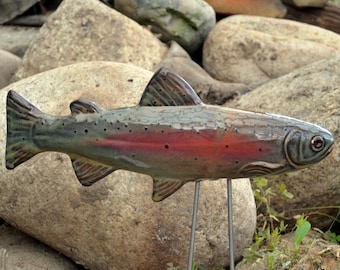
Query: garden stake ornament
point(170, 135)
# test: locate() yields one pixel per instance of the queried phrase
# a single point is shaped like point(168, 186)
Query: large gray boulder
point(15, 39)
point(311, 93)
point(253, 50)
point(9, 64)
point(187, 22)
point(114, 224)
point(18, 251)
point(210, 90)
point(10, 9)
point(88, 30)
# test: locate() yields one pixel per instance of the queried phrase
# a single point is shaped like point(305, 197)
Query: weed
point(268, 235)
point(302, 229)
point(332, 237)
point(270, 251)
point(171, 266)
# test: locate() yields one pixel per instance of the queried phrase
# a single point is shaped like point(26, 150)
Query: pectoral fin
point(88, 172)
point(164, 188)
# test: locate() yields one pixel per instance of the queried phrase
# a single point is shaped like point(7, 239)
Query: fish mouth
point(330, 149)
point(329, 140)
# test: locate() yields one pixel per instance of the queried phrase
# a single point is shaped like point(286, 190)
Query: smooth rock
point(307, 3)
point(266, 8)
point(30, 20)
point(311, 93)
point(187, 22)
point(23, 252)
point(253, 50)
point(114, 224)
point(9, 64)
point(209, 89)
point(16, 39)
point(88, 30)
point(10, 9)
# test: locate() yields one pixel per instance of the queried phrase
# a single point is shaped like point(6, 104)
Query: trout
point(170, 135)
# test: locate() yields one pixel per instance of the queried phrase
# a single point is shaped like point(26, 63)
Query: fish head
point(307, 144)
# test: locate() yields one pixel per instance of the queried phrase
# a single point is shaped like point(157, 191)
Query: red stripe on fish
point(208, 143)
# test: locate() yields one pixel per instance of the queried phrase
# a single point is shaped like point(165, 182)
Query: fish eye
point(317, 143)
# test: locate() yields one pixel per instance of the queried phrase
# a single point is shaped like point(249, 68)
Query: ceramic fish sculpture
point(170, 135)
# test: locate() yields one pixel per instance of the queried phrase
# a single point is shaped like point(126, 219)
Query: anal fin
point(164, 188)
point(88, 172)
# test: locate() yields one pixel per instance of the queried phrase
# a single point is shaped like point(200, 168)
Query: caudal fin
point(21, 117)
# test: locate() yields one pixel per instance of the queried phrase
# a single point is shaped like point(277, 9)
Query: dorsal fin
point(164, 188)
point(89, 172)
point(84, 106)
point(168, 89)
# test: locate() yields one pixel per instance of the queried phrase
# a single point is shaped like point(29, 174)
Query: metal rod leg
point(193, 225)
point(3, 259)
point(230, 226)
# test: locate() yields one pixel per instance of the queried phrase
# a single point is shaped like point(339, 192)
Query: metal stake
point(193, 225)
point(3, 259)
point(230, 225)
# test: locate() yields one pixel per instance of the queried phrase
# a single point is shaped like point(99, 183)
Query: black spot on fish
point(166, 146)
point(236, 130)
point(260, 149)
point(105, 129)
point(130, 80)
point(130, 130)
point(145, 128)
point(74, 131)
point(195, 158)
point(226, 146)
point(86, 130)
